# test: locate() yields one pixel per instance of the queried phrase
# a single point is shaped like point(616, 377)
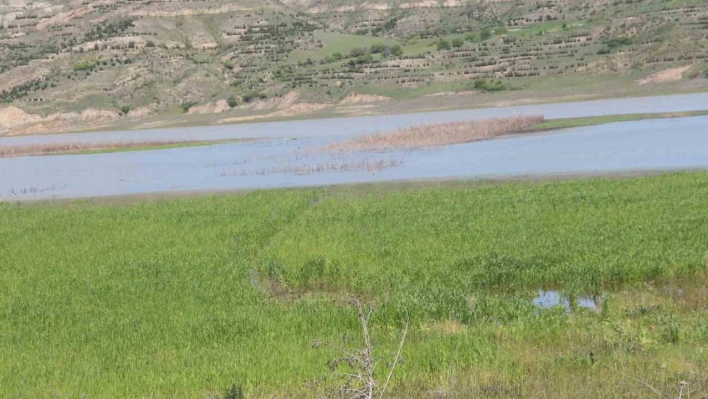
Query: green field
point(599, 120)
point(183, 298)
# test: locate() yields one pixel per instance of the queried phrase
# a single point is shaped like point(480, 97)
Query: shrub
point(618, 41)
point(234, 392)
point(232, 101)
point(187, 105)
point(396, 50)
point(125, 109)
point(501, 30)
point(149, 43)
point(457, 42)
point(471, 37)
point(85, 66)
point(357, 52)
point(485, 34)
point(487, 86)
point(378, 48)
point(603, 51)
point(443, 45)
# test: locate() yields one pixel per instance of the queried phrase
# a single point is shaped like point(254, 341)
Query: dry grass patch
point(439, 134)
point(308, 169)
point(84, 147)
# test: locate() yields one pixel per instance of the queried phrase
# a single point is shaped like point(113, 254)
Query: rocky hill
point(69, 65)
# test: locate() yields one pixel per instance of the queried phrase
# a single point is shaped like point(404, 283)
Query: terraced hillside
point(69, 65)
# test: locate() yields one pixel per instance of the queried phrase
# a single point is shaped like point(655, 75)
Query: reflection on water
point(549, 299)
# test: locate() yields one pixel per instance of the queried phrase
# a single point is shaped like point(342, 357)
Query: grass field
point(599, 120)
point(184, 298)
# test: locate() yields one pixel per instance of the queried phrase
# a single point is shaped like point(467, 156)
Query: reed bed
point(437, 134)
point(308, 169)
point(68, 148)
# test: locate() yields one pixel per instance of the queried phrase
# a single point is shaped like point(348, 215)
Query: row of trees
point(363, 54)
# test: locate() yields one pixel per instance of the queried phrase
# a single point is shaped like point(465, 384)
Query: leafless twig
point(359, 380)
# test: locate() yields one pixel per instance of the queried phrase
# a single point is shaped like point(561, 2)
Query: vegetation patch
point(101, 147)
point(437, 134)
point(599, 120)
point(183, 297)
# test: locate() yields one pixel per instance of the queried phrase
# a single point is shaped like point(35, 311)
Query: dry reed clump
point(431, 135)
point(65, 148)
point(307, 169)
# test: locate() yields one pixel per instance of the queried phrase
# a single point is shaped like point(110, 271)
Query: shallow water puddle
point(549, 299)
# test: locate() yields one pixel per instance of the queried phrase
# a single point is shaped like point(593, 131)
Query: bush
point(378, 48)
point(149, 43)
point(485, 34)
point(234, 392)
point(619, 41)
point(471, 37)
point(603, 51)
point(187, 105)
point(443, 45)
point(705, 73)
point(232, 101)
point(396, 50)
point(85, 66)
point(487, 86)
point(125, 109)
point(501, 30)
point(457, 42)
point(364, 59)
point(357, 52)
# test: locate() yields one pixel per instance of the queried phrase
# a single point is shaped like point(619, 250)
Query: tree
point(471, 37)
point(443, 45)
point(485, 34)
point(457, 42)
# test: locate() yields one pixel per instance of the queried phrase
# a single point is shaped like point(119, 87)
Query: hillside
point(73, 65)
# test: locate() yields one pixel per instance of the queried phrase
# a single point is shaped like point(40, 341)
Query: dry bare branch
point(360, 382)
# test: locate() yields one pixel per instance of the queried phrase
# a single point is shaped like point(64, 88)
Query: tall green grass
point(187, 297)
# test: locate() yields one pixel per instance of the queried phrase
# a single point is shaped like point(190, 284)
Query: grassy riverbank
point(186, 297)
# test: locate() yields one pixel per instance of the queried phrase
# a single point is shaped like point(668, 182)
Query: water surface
point(649, 145)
